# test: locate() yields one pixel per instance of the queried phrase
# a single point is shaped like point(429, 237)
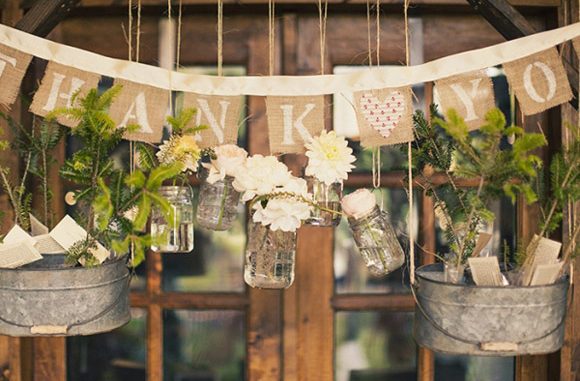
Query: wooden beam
point(508, 21)
point(45, 15)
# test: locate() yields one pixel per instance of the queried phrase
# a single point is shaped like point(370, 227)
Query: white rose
point(229, 161)
point(282, 214)
point(358, 203)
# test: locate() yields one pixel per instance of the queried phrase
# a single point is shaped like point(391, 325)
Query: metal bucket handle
point(60, 330)
point(467, 341)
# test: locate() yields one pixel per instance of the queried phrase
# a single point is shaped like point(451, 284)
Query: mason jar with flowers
point(373, 233)
point(329, 162)
point(279, 203)
point(218, 200)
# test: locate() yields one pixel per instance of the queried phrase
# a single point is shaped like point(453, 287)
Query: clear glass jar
point(269, 257)
point(217, 205)
point(328, 199)
point(177, 238)
point(377, 242)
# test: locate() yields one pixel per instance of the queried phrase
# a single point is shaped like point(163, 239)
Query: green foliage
point(81, 251)
point(447, 146)
point(181, 123)
point(35, 146)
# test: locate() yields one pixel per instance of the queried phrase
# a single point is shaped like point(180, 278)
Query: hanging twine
point(220, 37)
point(271, 35)
point(172, 63)
point(376, 153)
point(410, 222)
point(322, 17)
point(370, 56)
point(178, 47)
point(378, 32)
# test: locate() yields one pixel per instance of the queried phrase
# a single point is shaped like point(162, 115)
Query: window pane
point(119, 355)
point(351, 274)
point(472, 368)
point(374, 346)
point(204, 345)
point(215, 264)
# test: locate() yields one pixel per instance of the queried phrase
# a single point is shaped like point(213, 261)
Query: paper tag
point(68, 232)
point(546, 274)
point(13, 255)
point(482, 242)
point(485, 271)
point(45, 244)
point(37, 227)
point(546, 252)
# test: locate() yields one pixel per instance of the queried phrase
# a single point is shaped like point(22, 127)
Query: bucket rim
point(108, 263)
point(420, 273)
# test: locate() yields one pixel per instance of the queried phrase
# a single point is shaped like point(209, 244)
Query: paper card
point(68, 232)
point(37, 227)
point(485, 271)
point(547, 251)
point(16, 235)
point(546, 274)
point(45, 244)
point(13, 255)
point(482, 242)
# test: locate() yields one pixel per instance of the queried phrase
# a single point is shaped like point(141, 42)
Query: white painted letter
point(55, 93)
point(138, 113)
point(6, 59)
point(467, 98)
point(218, 128)
point(550, 77)
point(290, 123)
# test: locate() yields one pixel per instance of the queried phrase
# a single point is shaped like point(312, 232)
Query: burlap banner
point(57, 88)
point(384, 116)
point(144, 105)
point(471, 95)
point(539, 81)
point(293, 121)
point(576, 43)
point(219, 114)
point(13, 65)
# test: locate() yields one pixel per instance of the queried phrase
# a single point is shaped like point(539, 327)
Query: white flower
point(329, 158)
point(285, 213)
point(228, 162)
point(180, 149)
point(359, 203)
point(260, 175)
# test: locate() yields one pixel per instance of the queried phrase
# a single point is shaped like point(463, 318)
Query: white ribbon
point(364, 79)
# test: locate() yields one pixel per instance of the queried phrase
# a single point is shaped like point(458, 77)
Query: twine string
point(322, 17)
point(271, 35)
point(370, 48)
point(220, 37)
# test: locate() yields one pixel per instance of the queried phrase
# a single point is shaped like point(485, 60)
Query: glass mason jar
point(217, 205)
point(269, 257)
point(377, 242)
point(179, 237)
point(327, 197)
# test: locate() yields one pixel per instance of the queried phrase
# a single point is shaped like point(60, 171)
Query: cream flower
point(329, 158)
point(359, 203)
point(180, 149)
point(228, 162)
point(260, 175)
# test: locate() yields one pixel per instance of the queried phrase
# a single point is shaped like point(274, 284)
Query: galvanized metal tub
point(48, 299)
point(488, 321)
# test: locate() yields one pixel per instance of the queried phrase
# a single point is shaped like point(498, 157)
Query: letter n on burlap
point(58, 87)
point(539, 81)
point(142, 105)
point(13, 65)
point(293, 121)
point(220, 114)
point(470, 94)
point(384, 116)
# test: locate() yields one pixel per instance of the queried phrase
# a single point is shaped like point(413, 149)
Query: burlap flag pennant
point(293, 121)
point(576, 43)
point(58, 87)
point(470, 94)
point(539, 81)
point(385, 116)
point(13, 65)
point(219, 113)
point(143, 105)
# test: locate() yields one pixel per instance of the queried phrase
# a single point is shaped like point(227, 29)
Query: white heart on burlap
point(383, 116)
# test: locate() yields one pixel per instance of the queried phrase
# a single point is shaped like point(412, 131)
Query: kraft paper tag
point(482, 242)
point(485, 271)
point(546, 274)
point(45, 244)
point(17, 235)
point(37, 227)
point(13, 255)
point(68, 232)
